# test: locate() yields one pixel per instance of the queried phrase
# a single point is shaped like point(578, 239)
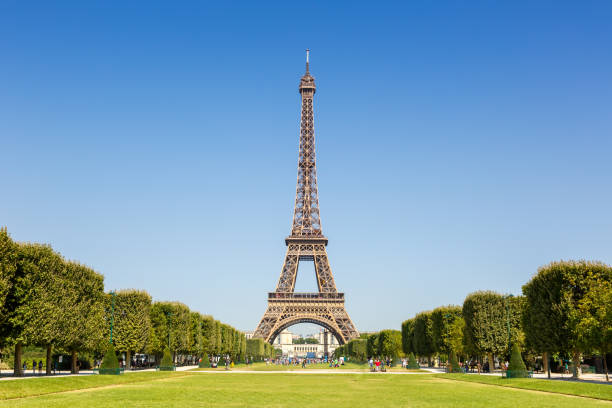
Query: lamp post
point(168, 316)
point(112, 322)
point(508, 318)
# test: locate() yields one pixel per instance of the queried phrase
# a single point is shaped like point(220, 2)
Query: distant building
point(284, 342)
point(327, 343)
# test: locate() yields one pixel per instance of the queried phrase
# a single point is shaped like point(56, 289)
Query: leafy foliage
point(412, 362)
point(408, 336)
point(444, 325)
point(110, 359)
point(453, 364)
point(569, 307)
point(132, 323)
point(486, 316)
point(423, 342)
point(390, 343)
point(517, 365)
point(372, 345)
point(166, 360)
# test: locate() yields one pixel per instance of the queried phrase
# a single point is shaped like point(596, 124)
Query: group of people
point(378, 365)
point(34, 365)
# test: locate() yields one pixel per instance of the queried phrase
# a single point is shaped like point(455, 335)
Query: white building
point(327, 343)
point(284, 342)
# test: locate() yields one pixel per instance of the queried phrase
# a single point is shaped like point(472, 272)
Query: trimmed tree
point(453, 364)
point(516, 368)
point(83, 323)
point(372, 345)
point(413, 364)
point(486, 316)
point(110, 364)
point(446, 337)
point(132, 321)
point(558, 308)
point(390, 343)
point(408, 336)
point(423, 337)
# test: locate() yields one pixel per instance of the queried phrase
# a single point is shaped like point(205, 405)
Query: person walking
point(40, 366)
point(34, 364)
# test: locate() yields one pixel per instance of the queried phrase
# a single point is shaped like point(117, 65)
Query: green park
point(154, 252)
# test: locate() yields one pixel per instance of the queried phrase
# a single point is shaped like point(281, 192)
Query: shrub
point(110, 364)
point(166, 360)
point(110, 359)
point(205, 363)
point(412, 362)
point(453, 364)
point(517, 368)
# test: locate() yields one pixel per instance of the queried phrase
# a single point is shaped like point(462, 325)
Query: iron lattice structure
point(306, 242)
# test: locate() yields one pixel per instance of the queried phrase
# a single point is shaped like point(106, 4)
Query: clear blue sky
point(460, 144)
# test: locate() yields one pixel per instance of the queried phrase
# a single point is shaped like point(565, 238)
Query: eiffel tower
point(306, 243)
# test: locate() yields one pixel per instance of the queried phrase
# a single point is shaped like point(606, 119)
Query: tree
point(307, 340)
point(390, 343)
point(408, 336)
point(131, 321)
point(8, 269)
point(372, 345)
point(423, 336)
point(196, 338)
point(83, 323)
point(486, 316)
point(209, 332)
point(594, 315)
point(558, 307)
point(42, 305)
point(357, 349)
point(158, 338)
point(170, 327)
point(31, 285)
point(444, 329)
point(256, 349)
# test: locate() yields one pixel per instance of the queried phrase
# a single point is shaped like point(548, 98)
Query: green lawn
point(601, 391)
point(349, 366)
point(280, 390)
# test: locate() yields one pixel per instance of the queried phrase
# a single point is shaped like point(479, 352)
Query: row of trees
point(60, 305)
point(258, 349)
point(566, 309)
point(385, 343)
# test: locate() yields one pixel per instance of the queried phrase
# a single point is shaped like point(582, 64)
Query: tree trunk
point(48, 363)
point(605, 366)
point(17, 370)
point(73, 368)
point(491, 362)
point(576, 370)
point(545, 361)
point(128, 360)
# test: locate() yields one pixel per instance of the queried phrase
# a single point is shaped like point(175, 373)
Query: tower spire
point(307, 62)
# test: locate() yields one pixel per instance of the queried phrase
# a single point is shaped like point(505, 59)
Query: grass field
point(356, 367)
point(185, 389)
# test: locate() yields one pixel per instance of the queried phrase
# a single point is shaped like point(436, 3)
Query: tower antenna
point(307, 58)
